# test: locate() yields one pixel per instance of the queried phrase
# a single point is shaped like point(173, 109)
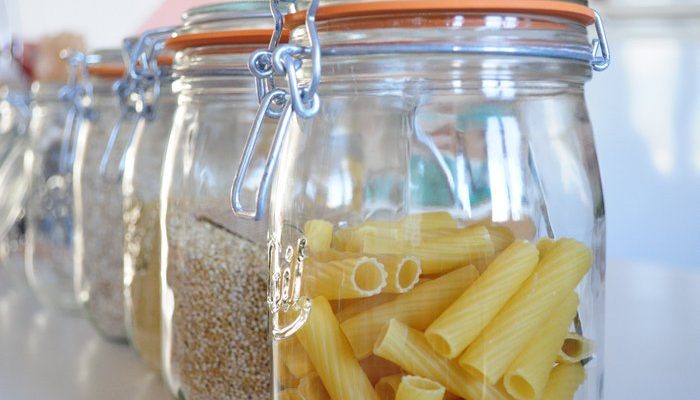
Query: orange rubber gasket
point(106, 70)
point(248, 36)
point(571, 11)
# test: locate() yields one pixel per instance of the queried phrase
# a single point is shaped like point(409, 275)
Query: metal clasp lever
point(271, 100)
point(600, 44)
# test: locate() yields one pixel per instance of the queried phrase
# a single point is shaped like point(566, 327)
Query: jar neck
point(445, 46)
point(214, 71)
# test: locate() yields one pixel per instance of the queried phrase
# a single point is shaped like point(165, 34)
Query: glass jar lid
point(105, 63)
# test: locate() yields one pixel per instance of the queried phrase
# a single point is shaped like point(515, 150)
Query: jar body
point(99, 257)
point(449, 225)
point(141, 189)
point(49, 212)
point(215, 271)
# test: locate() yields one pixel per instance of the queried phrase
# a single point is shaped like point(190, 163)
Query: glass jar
point(441, 214)
point(14, 121)
point(99, 233)
point(214, 265)
point(141, 190)
point(49, 212)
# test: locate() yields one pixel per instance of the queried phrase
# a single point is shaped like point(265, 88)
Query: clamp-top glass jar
point(215, 342)
point(150, 84)
point(99, 258)
point(439, 214)
point(49, 213)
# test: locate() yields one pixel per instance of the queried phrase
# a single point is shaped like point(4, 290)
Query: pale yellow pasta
point(564, 381)
point(351, 307)
point(289, 394)
point(419, 388)
point(319, 235)
point(417, 308)
point(376, 367)
point(439, 255)
point(556, 276)
point(387, 386)
point(294, 358)
point(403, 273)
point(285, 377)
point(528, 374)
point(344, 279)
point(332, 356)
point(576, 348)
point(429, 221)
point(311, 388)
point(544, 245)
point(464, 319)
point(358, 235)
point(501, 236)
point(407, 348)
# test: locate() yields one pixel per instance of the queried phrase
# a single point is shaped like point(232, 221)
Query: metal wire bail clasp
point(600, 44)
point(138, 92)
point(76, 94)
point(271, 100)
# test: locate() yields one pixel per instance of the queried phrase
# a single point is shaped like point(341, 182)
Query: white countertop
point(652, 345)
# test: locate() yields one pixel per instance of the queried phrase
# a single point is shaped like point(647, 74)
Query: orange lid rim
point(237, 37)
point(571, 11)
point(106, 70)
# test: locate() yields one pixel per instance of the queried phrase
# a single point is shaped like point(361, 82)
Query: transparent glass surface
point(99, 233)
point(49, 213)
point(141, 189)
point(441, 216)
point(214, 265)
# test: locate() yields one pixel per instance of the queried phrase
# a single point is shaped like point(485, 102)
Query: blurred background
point(646, 114)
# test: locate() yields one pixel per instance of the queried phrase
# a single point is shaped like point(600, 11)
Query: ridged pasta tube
point(544, 245)
point(311, 388)
point(528, 374)
point(419, 388)
point(439, 255)
point(407, 348)
point(289, 394)
point(319, 235)
point(294, 358)
point(417, 308)
point(575, 348)
point(403, 273)
point(557, 274)
point(464, 319)
point(376, 367)
point(564, 381)
point(349, 278)
point(387, 386)
point(332, 356)
point(349, 308)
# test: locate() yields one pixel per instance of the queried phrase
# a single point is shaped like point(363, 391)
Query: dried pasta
point(311, 388)
point(403, 273)
point(417, 308)
point(294, 358)
point(319, 235)
point(527, 376)
point(464, 319)
point(290, 394)
point(407, 348)
point(376, 368)
point(557, 274)
point(575, 348)
point(418, 388)
point(332, 357)
point(344, 279)
point(564, 381)
point(387, 386)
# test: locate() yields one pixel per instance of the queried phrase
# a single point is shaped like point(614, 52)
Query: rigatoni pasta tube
point(294, 358)
point(376, 367)
point(349, 278)
point(349, 308)
point(575, 348)
point(311, 388)
point(464, 319)
point(417, 309)
point(289, 394)
point(419, 388)
point(555, 277)
point(564, 382)
point(387, 386)
point(403, 273)
point(439, 255)
point(544, 245)
point(407, 348)
point(527, 375)
point(331, 355)
point(319, 235)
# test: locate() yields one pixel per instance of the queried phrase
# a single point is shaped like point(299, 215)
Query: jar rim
point(572, 11)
